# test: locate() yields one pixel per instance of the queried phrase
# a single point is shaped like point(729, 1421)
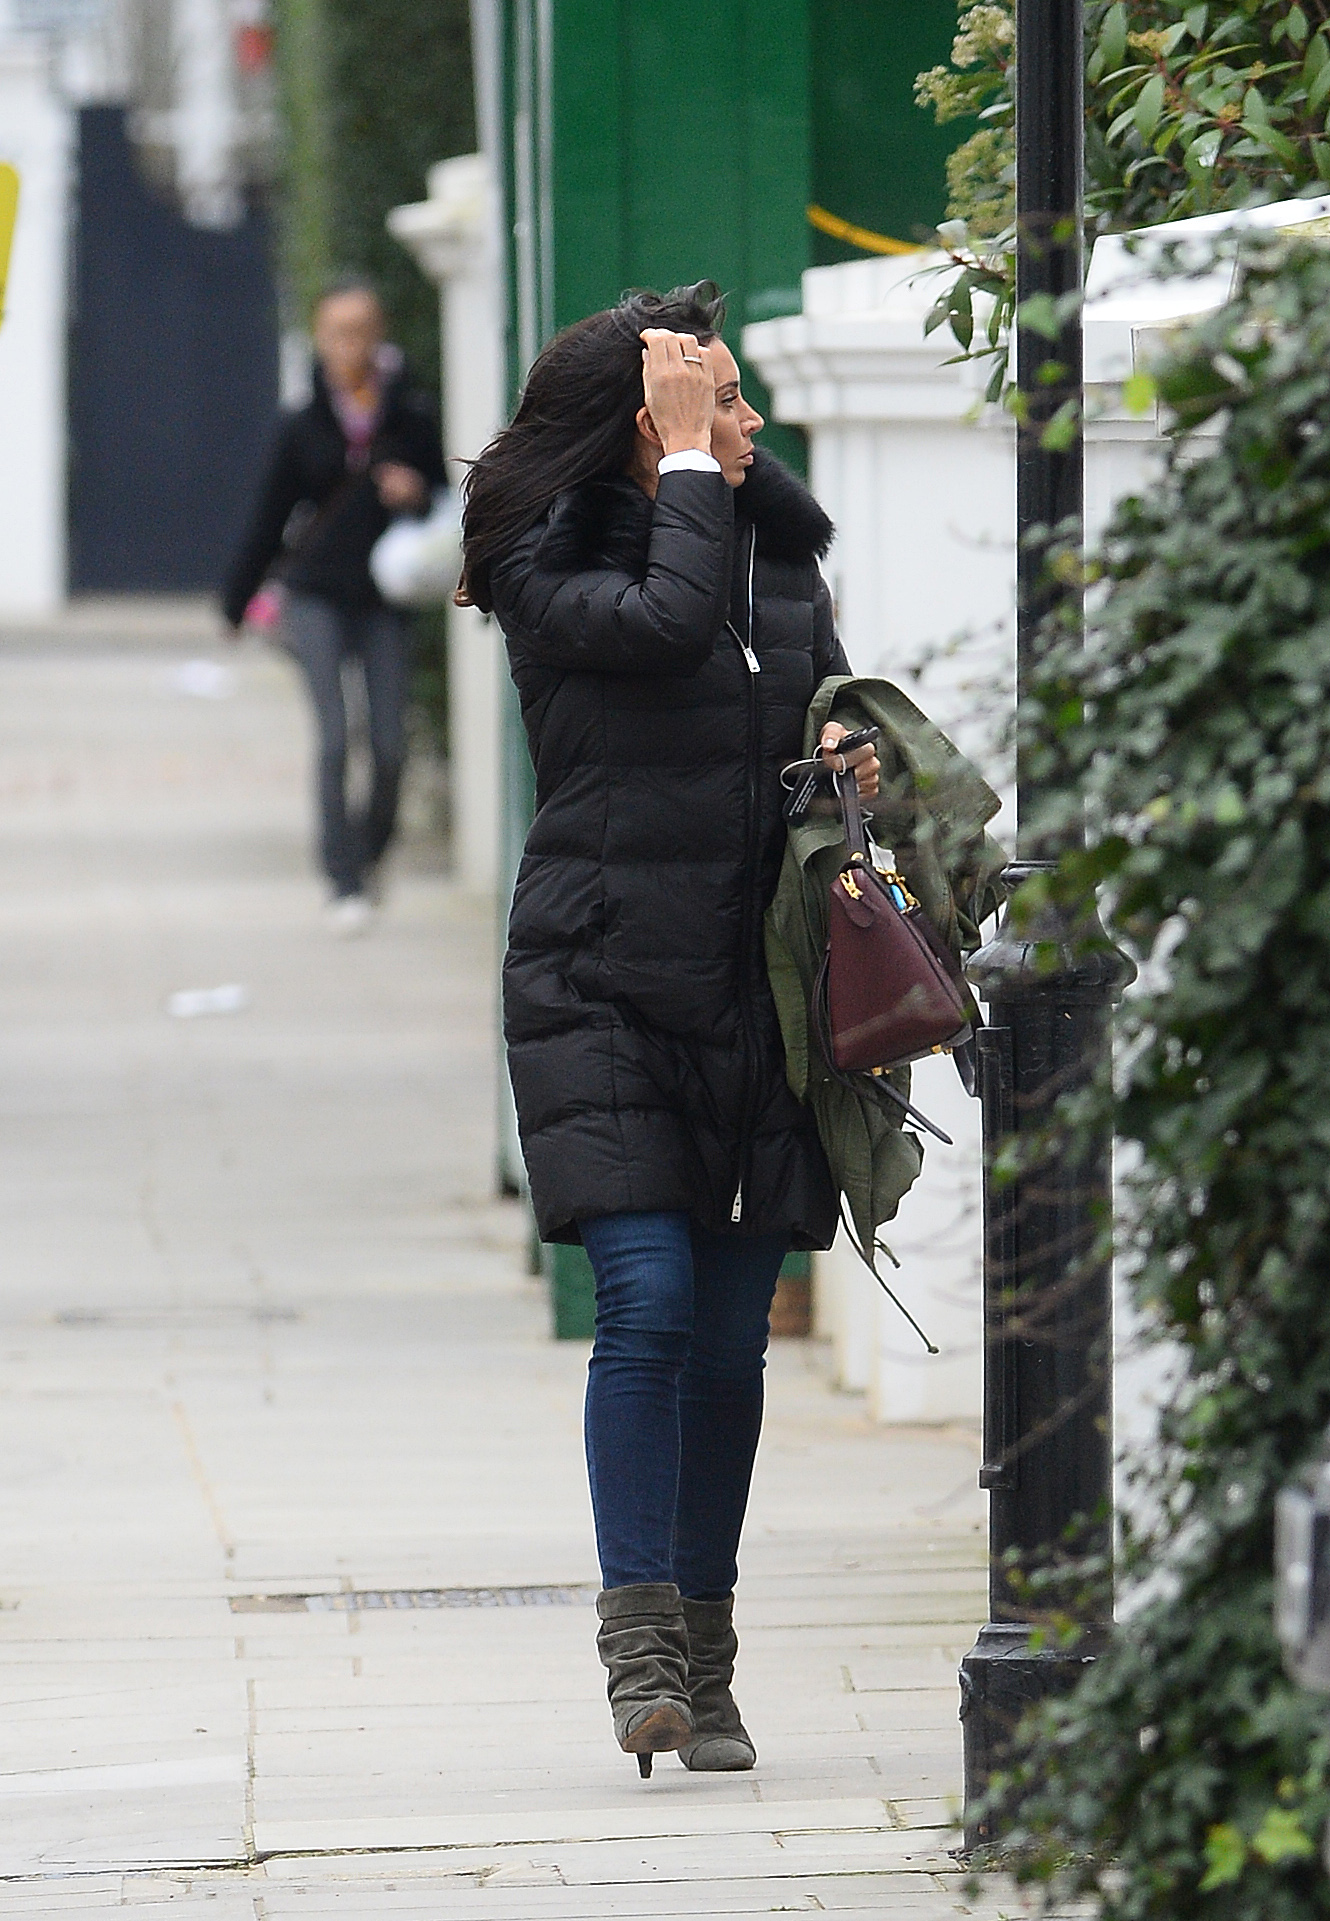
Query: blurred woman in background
point(366, 448)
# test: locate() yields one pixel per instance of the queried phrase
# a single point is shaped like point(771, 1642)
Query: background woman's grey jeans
point(323, 636)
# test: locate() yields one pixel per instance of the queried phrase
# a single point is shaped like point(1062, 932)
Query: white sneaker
point(348, 915)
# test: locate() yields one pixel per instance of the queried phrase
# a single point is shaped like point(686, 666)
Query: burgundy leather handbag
point(889, 990)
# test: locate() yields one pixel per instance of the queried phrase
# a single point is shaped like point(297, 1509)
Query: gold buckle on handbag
point(901, 896)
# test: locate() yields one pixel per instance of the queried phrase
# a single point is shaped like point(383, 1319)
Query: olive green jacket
point(931, 813)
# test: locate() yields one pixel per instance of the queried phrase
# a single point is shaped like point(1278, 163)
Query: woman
point(656, 579)
point(364, 449)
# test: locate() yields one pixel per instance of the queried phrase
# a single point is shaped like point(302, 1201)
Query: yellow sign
point(8, 215)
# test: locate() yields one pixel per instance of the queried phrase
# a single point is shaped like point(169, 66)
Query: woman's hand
point(680, 390)
point(401, 489)
point(863, 760)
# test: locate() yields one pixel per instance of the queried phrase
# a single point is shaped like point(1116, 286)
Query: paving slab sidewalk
point(295, 1554)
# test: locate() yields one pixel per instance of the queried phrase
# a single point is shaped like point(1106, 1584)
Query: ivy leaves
point(1280, 1837)
point(1202, 106)
point(1188, 1779)
point(1190, 109)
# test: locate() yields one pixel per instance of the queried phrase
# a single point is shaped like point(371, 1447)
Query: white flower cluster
point(986, 31)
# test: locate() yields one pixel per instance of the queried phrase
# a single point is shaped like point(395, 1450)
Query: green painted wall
point(651, 145)
point(878, 159)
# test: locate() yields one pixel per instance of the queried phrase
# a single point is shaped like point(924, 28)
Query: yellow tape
point(8, 215)
point(861, 237)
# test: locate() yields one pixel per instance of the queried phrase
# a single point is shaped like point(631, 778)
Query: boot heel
point(658, 1730)
point(643, 1643)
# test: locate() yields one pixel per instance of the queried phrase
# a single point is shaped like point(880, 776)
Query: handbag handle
point(852, 814)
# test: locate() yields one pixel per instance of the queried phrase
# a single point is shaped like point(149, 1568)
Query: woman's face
point(734, 422)
point(348, 331)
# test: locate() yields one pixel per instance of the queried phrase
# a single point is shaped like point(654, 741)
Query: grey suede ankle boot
point(643, 1643)
point(721, 1743)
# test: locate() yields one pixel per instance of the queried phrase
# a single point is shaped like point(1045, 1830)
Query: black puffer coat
point(643, 1044)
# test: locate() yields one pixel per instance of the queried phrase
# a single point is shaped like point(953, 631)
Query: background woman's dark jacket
point(308, 466)
point(643, 1043)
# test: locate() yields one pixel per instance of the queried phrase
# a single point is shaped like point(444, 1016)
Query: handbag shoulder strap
point(322, 517)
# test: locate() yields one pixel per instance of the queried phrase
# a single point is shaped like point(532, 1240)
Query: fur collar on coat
point(607, 523)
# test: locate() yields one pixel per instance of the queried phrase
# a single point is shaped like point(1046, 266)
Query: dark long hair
point(576, 421)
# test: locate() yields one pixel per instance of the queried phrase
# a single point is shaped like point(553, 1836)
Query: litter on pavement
point(203, 680)
point(190, 1002)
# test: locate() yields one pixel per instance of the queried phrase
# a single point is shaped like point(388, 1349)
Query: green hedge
point(1187, 1778)
point(372, 93)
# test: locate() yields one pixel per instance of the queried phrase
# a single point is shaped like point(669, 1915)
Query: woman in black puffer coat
point(656, 579)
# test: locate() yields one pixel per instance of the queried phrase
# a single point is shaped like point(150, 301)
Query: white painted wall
point(205, 127)
point(454, 236)
point(35, 138)
point(1130, 310)
point(923, 572)
point(920, 480)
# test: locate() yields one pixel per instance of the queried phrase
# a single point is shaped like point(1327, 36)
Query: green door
point(649, 145)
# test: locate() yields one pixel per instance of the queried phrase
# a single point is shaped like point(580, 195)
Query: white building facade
point(35, 139)
point(192, 70)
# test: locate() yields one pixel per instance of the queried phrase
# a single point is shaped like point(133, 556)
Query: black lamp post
point(1047, 1301)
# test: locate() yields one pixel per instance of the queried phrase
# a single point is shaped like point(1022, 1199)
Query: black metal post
point(1050, 144)
point(1047, 1301)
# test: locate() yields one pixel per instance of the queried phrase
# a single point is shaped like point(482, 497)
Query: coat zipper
point(754, 666)
point(751, 660)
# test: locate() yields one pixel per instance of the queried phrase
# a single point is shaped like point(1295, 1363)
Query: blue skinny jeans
point(325, 636)
point(674, 1395)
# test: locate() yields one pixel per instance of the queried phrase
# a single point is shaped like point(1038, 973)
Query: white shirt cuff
point(691, 461)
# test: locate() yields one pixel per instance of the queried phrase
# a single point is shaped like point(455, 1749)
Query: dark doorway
point(173, 378)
